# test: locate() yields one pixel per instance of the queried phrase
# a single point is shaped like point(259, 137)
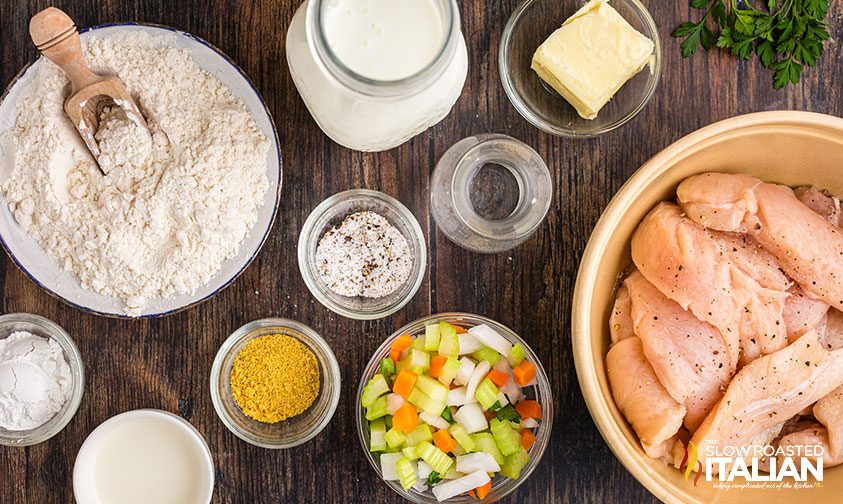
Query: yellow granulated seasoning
point(274, 377)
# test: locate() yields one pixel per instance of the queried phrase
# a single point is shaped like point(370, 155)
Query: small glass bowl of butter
point(580, 70)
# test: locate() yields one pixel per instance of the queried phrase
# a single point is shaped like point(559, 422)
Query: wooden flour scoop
point(55, 35)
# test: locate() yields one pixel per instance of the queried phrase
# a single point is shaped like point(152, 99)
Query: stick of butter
point(591, 56)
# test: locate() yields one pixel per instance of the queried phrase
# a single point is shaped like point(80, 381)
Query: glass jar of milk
point(375, 73)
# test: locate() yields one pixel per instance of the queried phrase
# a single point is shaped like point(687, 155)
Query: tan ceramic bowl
point(793, 148)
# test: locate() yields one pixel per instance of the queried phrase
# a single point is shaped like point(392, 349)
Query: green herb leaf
point(508, 412)
point(766, 53)
point(446, 414)
point(495, 407)
point(786, 38)
point(433, 478)
point(387, 368)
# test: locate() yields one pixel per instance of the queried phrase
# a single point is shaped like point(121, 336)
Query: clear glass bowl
point(531, 23)
point(292, 431)
point(40, 326)
point(330, 213)
point(540, 392)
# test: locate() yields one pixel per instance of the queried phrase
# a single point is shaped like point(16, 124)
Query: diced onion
point(433, 420)
point(468, 343)
point(503, 367)
point(456, 397)
point(464, 372)
point(424, 470)
point(491, 339)
point(480, 372)
point(479, 461)
point(456, 487)
point(471, 418)
point(512, 391)
point(393, 402)
point(529, 423)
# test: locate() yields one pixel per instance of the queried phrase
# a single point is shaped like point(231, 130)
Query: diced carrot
point(405, 418)
point(395, 355)
point(443, 440)
point(529, 409)
point(437, 362)
point(404, 383)
point(524, 373)
point(482, 491)
point(498, 378)
point(460, 330)
point(402, 342)
point(527, 439)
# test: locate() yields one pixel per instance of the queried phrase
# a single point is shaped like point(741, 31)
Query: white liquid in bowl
point(142, 457)
point(383, 39)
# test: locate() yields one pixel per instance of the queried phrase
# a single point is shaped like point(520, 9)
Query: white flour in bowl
point(171, 210)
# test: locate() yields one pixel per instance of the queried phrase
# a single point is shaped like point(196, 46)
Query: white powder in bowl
point(35, 381)
point(364, 256)
point(162, 222)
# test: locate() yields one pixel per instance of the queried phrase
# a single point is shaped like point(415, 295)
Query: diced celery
point(516, 355)
point(448, 342)
point(377, 431)
point(506, 438)
point(449, 371)
point(487, 393)
point(461, 437)
point(410, 452)
point(436, 458)
point(402, 364)
point(432, 388)
point(418, 435)
point(424, 402)
point(394, 437)
point(376, 387)
point(512, 466)
point(487, 354)
point(484, 442)
point(406, 473)
point(431, 337)
point(419, 361)
point(390, 449)
point(418, 343)
point(377, 409)
point(387, 367)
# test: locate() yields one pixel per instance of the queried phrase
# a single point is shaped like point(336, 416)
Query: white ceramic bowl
point(34, 262)
point(83, 483)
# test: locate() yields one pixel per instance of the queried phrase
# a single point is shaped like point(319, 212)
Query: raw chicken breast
point(805, 440)
point(620, 321)
point(832, 338)
point(688, 355)
point(654, 415)
point(751, 258)
point(809, 249)
point(767, 392)
point(803, 313)
point(829, 412)
point(688, 266)
point(821, 203)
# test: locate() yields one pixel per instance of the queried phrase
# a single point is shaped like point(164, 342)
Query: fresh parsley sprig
point(786, 35)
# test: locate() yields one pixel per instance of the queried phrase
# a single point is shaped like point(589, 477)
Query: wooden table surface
point(166, 363)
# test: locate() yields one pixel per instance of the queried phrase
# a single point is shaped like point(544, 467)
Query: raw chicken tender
point(655, 416)
point(689, 266)
point(688, 355)
point(809, 249)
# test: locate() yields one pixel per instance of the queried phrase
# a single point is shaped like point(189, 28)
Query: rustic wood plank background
point(166, 363)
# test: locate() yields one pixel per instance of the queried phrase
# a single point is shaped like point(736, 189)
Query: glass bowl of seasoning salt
point(42, 379)
point(275, 383)
point(362, 254)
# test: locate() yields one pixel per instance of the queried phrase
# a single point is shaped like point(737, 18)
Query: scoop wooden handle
point(55, 35)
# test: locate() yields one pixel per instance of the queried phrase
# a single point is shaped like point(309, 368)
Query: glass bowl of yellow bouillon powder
point(275, 383)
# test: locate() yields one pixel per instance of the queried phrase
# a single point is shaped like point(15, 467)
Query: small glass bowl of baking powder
point(329, 215)
point(39, 326)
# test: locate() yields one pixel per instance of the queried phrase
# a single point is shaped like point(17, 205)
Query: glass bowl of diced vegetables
point(454, 407)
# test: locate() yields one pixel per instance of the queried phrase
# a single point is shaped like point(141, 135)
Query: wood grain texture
point(166, 363)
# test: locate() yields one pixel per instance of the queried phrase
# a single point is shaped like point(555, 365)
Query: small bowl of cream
point(144, 456)
point(42, 379)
